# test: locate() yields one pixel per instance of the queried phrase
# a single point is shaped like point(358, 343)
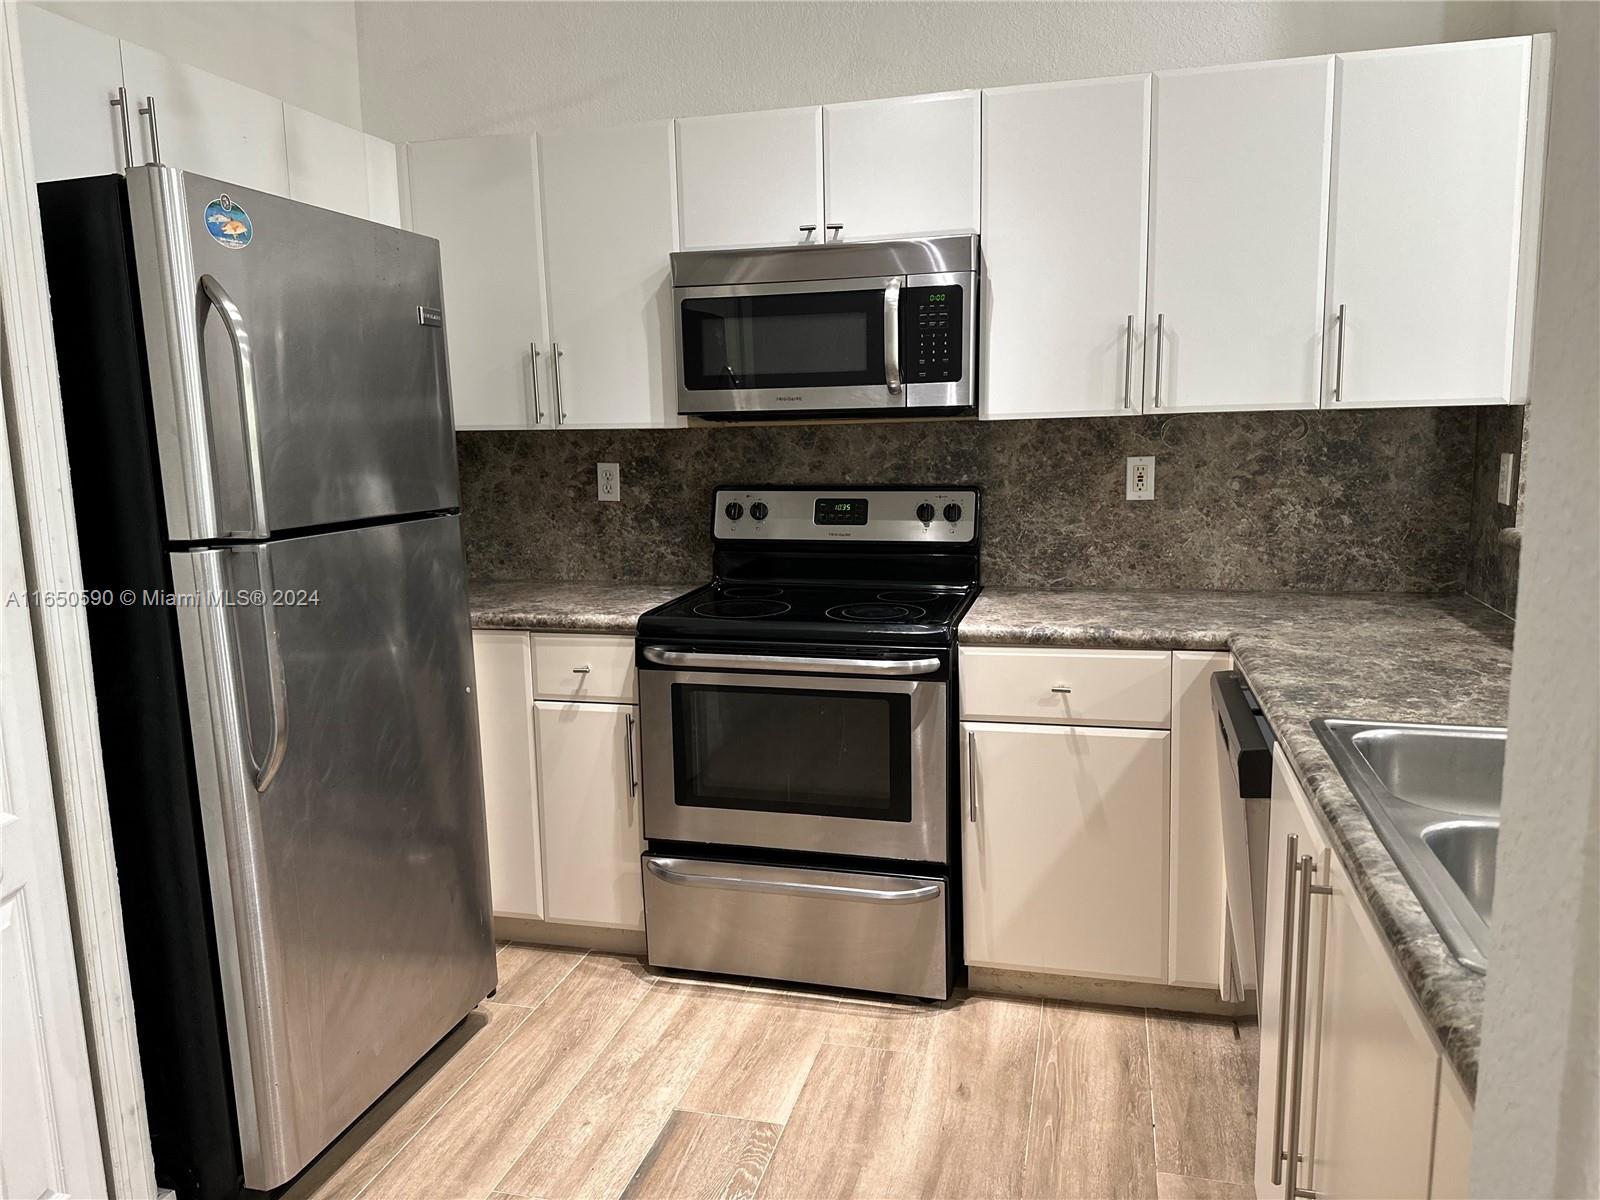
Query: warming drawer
point(849, 929)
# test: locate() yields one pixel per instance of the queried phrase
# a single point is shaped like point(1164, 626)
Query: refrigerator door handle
point(266, 767)
point(214, 294)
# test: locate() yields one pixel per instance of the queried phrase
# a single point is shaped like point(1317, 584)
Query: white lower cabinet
point(1065, 849)
point(1359, 1071)
point(1195, 921)
point(503, 663)
point(593, 833)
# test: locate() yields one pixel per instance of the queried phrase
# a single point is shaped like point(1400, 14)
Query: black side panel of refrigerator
point(144, 727)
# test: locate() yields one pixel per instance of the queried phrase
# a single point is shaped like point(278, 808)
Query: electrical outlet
point(608, 478)
point(1508, 478)
point(1142, 477)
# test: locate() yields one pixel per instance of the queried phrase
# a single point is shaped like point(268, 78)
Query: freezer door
point(297, 360)
point(336, 752)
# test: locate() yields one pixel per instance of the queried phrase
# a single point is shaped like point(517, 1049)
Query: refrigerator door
point(297, 360)
point(336, 752)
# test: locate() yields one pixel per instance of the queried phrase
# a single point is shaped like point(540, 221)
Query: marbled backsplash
point(1494, 553)
point(1321, 501)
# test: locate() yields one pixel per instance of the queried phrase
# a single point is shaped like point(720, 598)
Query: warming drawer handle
point(763, 662)
point(822, 891)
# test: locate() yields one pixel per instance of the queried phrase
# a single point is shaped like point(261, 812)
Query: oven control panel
point(930, 334)
point(845, 513)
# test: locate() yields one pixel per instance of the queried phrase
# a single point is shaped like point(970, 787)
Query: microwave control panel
point(930, 334)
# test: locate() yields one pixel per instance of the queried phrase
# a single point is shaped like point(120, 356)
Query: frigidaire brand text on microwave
point(837, 329)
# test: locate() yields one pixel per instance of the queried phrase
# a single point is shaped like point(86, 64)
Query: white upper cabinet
point(480, 198)
point(208, 125)
point(1427, 223)
point(383, 180)
point(750, 179)
point(71, 73)
point(903, 167)
point(1238, 236)
point(327, 162)
point(1065, 216)
point(610, 225)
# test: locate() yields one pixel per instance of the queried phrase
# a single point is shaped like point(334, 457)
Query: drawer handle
point(580, 670)
point(1065, 691)
point(827, 891)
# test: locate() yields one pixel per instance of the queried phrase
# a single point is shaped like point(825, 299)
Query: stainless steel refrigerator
point(263, 460)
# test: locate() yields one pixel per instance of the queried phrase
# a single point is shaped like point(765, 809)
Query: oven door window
point(780, 750)
point(783, 340)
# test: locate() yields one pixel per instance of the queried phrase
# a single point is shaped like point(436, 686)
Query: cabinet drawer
point(581, 666)
point(1067, 687)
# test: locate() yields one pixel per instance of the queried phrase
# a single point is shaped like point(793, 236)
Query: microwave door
point(829, 345)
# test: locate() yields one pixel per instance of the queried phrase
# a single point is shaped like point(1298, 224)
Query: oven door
point(780, 347)
point(826, 763)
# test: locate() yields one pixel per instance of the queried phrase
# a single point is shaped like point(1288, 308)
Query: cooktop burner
point(740, 609)
point(881, 613)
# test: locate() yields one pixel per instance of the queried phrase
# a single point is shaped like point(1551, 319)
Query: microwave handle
point(891, 335)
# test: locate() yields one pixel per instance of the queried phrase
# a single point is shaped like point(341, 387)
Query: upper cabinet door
point(480, 198)
point(208, 125)
point(750, 179)
point(904, 167)
point(1065, 215)
point(327, 162)
point(1427, 222)
point(383, 180)
point(610, 224)
point(1238, 236)
point(71, 73)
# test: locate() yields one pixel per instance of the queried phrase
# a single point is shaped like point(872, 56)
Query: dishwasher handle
point(1246, 743)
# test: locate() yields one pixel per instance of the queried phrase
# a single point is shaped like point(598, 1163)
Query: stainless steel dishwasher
point(1246, 799)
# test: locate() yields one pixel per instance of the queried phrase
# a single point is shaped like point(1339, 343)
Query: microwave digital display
point(841, 512)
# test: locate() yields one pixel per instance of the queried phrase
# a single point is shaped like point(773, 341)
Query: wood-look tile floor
point(592, 1075)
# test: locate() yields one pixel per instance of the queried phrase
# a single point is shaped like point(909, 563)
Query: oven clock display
point(841, 512)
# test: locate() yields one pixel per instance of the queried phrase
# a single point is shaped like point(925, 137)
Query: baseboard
point(1115, 992)
point(582, 937)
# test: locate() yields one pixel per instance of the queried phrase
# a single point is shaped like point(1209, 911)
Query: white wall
point(433, 70)
point(304, 53)
point(1537, 1123)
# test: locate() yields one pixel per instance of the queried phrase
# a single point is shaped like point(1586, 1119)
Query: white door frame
point(37, 446)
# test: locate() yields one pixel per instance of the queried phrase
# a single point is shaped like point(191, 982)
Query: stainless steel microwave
point(837, 329)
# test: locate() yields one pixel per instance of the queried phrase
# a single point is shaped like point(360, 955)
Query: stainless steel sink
point(1432, 793)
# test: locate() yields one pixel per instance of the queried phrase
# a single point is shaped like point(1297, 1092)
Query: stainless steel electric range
point(798, 731)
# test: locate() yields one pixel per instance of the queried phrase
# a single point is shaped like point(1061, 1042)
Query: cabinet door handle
point(972, 777)
point(1127, 368)
point(580, 670)
point(1161, 320)
point(1338, 361)
point(533, 370)
point(1308, 867)
point(1062, 690)
point(1292, 865)
point(633, 769)
point(120, 103)
point(836, 228)
point(808, 230)
point(555, 375)
point(149, 110)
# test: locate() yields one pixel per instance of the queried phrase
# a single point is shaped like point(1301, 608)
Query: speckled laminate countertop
point(566, 607)
point(1380, 658)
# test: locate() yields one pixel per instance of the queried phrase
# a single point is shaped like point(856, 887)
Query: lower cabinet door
point(589, 795)
point(503, 662)
point(1378, 1076)
point(1065, 849)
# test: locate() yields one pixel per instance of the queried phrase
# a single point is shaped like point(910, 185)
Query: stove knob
point(925, 513)
point(952, 513)
point(735, 510)
point(758, 510)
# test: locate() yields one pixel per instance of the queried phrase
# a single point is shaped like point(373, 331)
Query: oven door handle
point(770, 662)
point(668, 870)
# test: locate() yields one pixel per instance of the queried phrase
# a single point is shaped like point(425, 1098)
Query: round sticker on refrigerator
point(228, 223)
